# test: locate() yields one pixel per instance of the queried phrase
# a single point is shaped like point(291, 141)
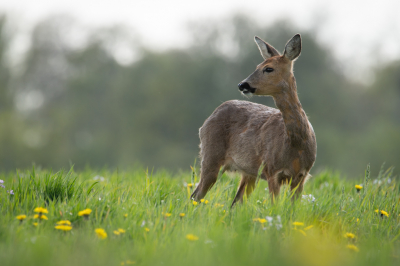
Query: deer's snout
point(245, 87)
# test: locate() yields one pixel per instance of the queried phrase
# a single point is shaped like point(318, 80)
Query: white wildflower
point(377, 182)
point(309, 197)
point(100, 178)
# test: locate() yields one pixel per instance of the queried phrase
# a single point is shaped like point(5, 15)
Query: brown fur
point(241, 135)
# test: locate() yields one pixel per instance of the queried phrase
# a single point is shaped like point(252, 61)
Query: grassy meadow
point(148, 219)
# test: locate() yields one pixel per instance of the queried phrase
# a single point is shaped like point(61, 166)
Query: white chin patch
point(247, 93)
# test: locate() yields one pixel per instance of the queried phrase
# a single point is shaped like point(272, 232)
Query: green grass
point(225, 236)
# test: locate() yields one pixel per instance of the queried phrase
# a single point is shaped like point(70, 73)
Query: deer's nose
point(243, 85)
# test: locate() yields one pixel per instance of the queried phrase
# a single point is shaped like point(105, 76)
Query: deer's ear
point(293, 48)
point(266, 49)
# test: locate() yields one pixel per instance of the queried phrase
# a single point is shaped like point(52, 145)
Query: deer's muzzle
point(246, 88)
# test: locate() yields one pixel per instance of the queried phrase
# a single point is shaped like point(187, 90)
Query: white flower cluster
point(11, 192)
point(100, 178)
point(274, 222)
point(380, 181)
point(309, 197)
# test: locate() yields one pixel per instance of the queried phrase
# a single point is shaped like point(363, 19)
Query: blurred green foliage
point(76, 103)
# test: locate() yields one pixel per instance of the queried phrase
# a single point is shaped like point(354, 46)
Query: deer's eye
point(268, 69)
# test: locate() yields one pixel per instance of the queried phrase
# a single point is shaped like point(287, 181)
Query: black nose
point(243, 85)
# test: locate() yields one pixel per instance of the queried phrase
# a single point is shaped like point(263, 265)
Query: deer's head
point(274, 75)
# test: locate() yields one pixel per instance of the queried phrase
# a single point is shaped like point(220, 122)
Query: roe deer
point(246, 137)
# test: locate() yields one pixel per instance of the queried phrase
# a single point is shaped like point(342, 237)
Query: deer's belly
point(245, 167)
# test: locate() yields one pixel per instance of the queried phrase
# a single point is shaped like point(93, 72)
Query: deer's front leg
point(297, 187)
point(274, 188)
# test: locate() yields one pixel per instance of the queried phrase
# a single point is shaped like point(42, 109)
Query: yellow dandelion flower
point(302, 232)
point(130, 262)
point(195, 203)
point(358, 187)
point(383, 213)
point(41, 217)
point(308, 227)
point(181, 214)
point(125, 215)
point(192, 237)
point(202, 200)
point(64, 222)
point(101, 233)
point(122, 263)
point(219, 205)
point(40, 210)
point(190, 185)
point(147, 229)
point(116, 232)
point(21, 217)
point(206, 202)
point(168, 214)
point(350, 235)
point(261, 221)
point(35, 224)
point(352, 247)
point(298, 223)
point(358, 220)
point(85, 212)
point(64, 228)
point(122, 231)
point(377, 211)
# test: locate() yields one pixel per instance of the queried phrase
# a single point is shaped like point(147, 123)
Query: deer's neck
point(296, 122)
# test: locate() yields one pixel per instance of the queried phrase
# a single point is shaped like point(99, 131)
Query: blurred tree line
point(71, 100)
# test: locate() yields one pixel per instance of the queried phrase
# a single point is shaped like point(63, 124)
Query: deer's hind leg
point(208, 177)
point(247, 184)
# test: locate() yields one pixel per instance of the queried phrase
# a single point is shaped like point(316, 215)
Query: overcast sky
point(360, 32)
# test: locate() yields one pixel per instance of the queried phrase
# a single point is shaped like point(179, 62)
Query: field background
point(72, 98)
point(139, 199)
